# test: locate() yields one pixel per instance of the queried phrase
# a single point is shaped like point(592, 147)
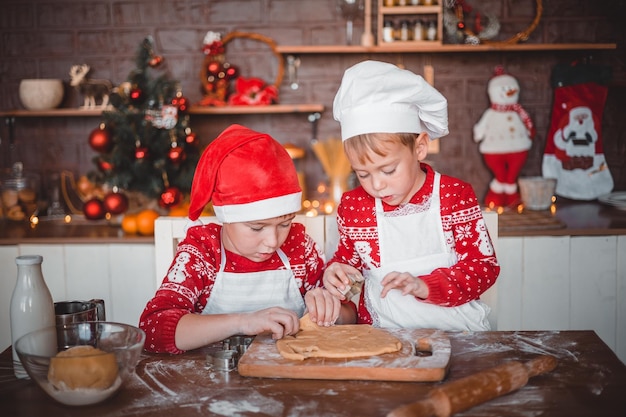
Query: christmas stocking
point(573, 153)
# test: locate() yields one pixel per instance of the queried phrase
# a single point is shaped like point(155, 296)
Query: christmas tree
point(144, 143)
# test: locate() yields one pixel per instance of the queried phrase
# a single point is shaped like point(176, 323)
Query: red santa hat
point(247, 175)
point(378, 97)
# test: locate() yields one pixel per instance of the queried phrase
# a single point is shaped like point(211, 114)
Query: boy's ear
point(421, 146)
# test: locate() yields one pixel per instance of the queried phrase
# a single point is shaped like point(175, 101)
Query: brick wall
point(43, 39)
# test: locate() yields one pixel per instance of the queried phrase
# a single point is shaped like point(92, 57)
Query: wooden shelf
point(409, 47)
point(269, 109)
point(51, 113)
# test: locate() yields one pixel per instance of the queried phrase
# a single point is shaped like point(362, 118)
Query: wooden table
point(588, 381)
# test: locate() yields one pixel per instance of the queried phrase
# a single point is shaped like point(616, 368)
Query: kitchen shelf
point(424, 47)
point(199, 110)
point(432, 14)
point(268, 109)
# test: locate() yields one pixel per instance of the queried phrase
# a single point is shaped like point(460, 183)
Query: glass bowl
point(81, 363)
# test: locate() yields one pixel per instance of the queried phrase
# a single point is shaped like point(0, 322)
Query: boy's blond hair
point(363, 145)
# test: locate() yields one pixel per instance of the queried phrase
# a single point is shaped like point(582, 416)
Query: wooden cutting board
point(424, 357)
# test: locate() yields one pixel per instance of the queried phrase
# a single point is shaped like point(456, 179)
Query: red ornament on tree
point(176, 155)
point(104, 166)
point(170, 197)
point(181, 103)
point(93, 209)
point(141, 153)
point(115, 203)
point(100, 140)
point(136, 95)
point(155, 61)
point(191, 138)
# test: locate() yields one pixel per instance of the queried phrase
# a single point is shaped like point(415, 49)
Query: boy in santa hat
point(417, 236)
point(257, 271)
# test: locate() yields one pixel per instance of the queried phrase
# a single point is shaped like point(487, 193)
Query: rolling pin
point(456, 396)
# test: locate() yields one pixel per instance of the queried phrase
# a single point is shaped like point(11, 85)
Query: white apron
point(418, 254)
point(253, 291)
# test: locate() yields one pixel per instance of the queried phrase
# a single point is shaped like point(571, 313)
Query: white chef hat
point(377, 97)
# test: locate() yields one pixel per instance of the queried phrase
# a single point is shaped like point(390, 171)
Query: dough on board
point(82, 367)
point(339, 342)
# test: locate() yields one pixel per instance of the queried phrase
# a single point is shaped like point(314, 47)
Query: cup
point(68, 312)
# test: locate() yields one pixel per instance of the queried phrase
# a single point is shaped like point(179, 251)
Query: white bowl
point(41, 94)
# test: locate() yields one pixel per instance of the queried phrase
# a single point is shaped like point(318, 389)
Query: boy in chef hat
point(253, 273)
point(417, 236)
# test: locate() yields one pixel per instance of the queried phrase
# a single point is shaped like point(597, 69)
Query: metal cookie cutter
point(222, 360)
point(237, 343)
point(356, 283)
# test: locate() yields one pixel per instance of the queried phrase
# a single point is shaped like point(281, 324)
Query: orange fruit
point(129, 223)
point(145, 221)
point(181, 210)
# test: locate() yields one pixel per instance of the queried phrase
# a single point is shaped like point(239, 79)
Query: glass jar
point(18, 194)
point(404, 30)
point(418, 31)
point(388, 31)
point(431, 32)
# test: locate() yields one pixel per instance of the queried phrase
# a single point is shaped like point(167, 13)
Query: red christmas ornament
point(155, 61)
point(214, 67)
point(136, 95)
point(176, 155)
point(104, 166)
point(191, 138)
point(100, 140)
point(141, 153)
point(170, 197)
point(181, 103)
point(231, 71)
point(93, 209)
point(115, 203)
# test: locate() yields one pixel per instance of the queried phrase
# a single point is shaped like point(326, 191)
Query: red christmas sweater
point(189, 281)
point(477, 268)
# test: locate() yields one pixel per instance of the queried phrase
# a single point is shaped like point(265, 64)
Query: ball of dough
point(82, 367)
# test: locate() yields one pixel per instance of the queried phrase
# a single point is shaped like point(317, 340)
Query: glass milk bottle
point(32, 307)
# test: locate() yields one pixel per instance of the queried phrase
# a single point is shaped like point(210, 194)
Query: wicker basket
point(219, 93)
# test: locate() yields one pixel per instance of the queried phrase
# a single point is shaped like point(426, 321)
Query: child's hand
point(323, 307)
point(336, 279)
point(278, 321)
point(405, 282)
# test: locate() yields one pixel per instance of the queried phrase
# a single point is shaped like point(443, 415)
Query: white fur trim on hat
point(259, 210)
point(377, 97)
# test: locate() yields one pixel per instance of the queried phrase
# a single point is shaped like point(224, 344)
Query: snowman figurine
point(505, 133)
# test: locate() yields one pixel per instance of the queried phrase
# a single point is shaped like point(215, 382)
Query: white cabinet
point(564, 283)
point(120, 274)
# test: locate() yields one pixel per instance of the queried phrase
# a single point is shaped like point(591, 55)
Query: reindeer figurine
point(92, 90)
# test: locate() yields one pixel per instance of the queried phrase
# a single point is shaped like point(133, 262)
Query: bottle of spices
point(431, 33)
point(418, 31)
point(404, 30)
point(31, 305)
point(388, 31)
point(389, 3)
